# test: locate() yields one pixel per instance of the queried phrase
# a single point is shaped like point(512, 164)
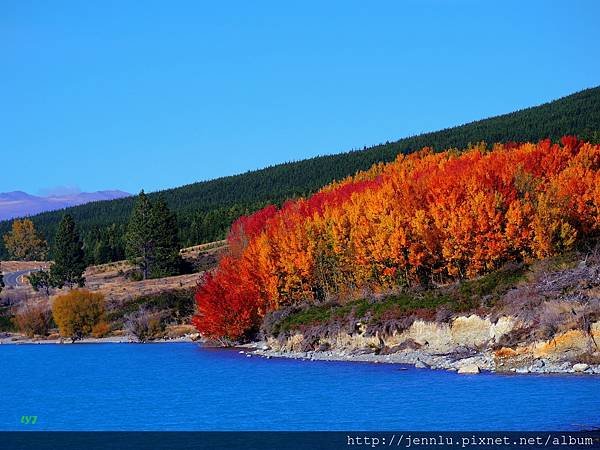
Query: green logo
point(29, 420)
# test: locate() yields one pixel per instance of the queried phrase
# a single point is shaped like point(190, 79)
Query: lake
point(187, 387)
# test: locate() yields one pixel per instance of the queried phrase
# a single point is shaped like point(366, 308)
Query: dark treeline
point(206, 209)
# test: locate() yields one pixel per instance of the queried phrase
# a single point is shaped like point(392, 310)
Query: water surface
point(187, 387)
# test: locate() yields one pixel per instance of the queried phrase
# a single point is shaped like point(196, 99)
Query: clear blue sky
point(131, 95)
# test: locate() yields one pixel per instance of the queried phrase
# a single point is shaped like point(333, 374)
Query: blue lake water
point(186, 387)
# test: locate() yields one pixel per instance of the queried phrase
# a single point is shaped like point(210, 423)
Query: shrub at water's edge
point(33, 319)
point(146, 324)
point(421, 220)
point(78, 313)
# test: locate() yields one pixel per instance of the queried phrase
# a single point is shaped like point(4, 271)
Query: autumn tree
point(24, 243)
point(152, 241)
point(78, 312)
point(69, 260)
point(229, 303)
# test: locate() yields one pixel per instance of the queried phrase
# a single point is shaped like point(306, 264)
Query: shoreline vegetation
point(485, 258)
point(150, 309)
point(537, 321)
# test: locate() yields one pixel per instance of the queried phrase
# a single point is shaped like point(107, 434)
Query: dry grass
point(108, 268)
point(112, 280)
point(196, 250)
point(119, 289)
point(14, 266)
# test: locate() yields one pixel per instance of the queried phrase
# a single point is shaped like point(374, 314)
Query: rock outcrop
point(467, 344)
point(468, 369)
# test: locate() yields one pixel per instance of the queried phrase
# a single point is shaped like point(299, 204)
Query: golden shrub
point(77, 312)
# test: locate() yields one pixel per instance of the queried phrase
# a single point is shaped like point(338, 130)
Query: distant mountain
point(20, 204)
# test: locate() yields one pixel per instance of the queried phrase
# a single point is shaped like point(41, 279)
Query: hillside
point(206, 209)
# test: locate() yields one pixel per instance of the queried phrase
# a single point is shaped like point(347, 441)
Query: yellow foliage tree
point(24, 243)
point(78, 312)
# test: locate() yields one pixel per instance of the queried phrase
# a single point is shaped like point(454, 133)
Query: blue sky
point(156, 94)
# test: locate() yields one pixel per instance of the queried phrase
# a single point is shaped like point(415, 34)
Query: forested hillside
point(206, 209)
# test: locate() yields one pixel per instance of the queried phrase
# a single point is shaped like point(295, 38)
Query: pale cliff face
point(472, 332)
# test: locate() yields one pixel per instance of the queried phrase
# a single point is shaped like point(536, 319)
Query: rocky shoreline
point(461, 360)
point(465, 344)
point(472, 364)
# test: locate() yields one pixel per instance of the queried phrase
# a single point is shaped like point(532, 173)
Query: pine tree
point(167, 261)
point(69, 260)
point(139, 240)
point(152, 240)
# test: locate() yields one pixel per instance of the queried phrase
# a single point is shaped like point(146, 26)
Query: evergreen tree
point(151, 241)
point(139, 240)
point(167, 259)
point(69, 260)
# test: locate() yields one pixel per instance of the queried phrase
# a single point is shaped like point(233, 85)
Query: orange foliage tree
point(424, 217)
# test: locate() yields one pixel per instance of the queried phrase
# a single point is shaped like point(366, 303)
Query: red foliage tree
point(425, 216)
